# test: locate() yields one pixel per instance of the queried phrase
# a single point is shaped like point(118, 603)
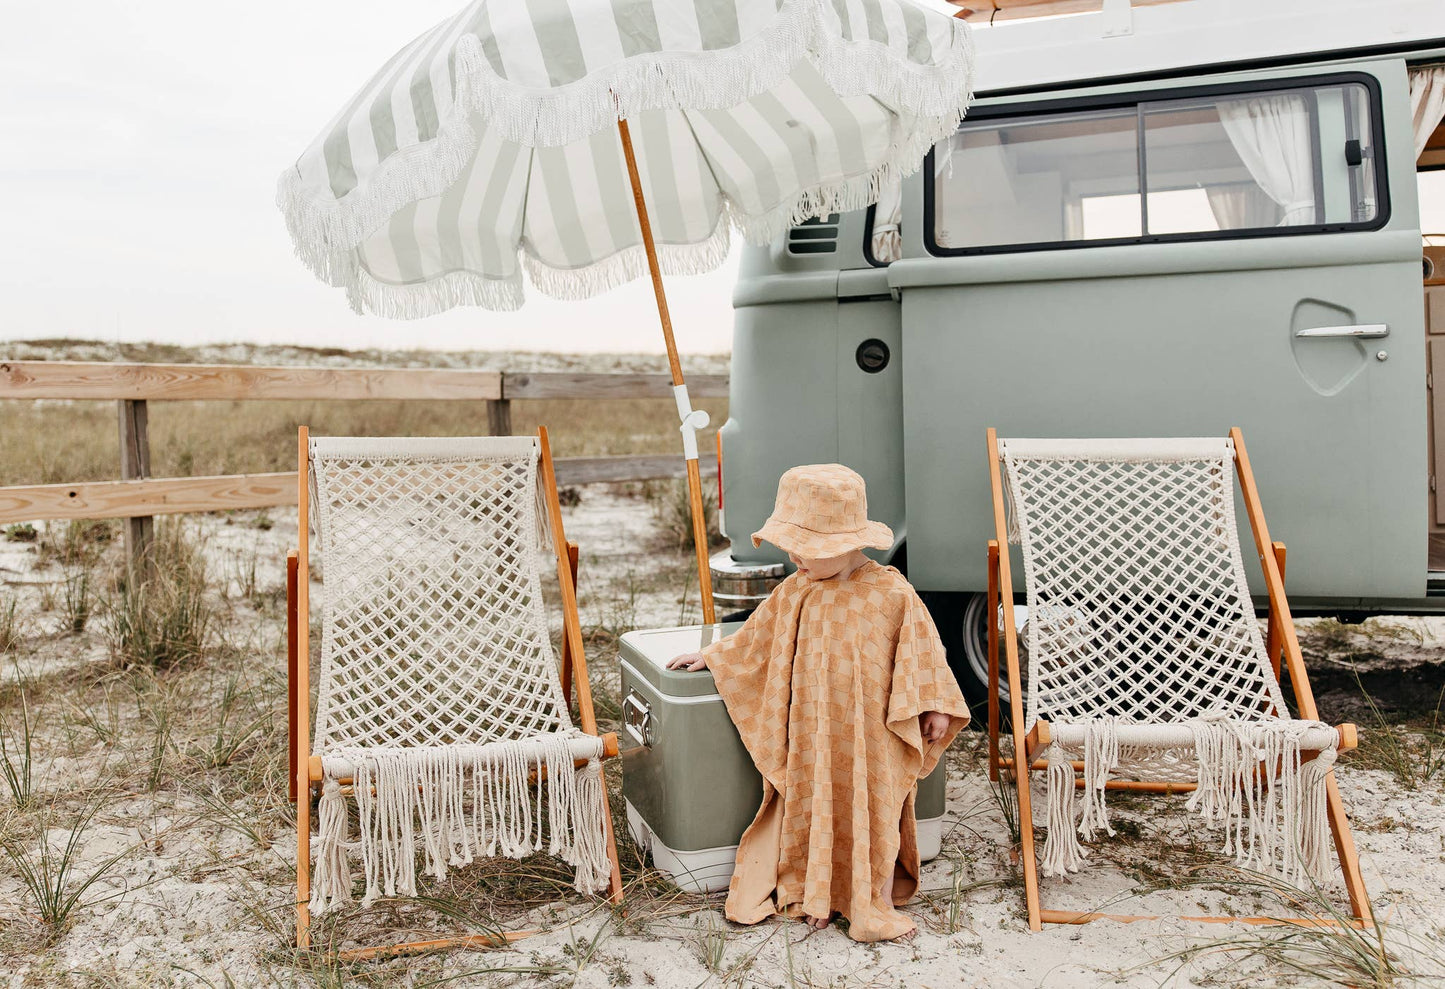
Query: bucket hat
point(822, 511)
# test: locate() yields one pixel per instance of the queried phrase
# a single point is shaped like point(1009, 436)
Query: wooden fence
point(138, 496)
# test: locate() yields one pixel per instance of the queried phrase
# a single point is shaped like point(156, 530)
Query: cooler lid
point(648, 650)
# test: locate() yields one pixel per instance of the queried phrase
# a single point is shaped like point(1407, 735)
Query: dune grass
point(11, 632)
point(1333, 951)
point(164, 615)
point(204, 438)
point(188, 720)
point(17, 744)
point(57, 880)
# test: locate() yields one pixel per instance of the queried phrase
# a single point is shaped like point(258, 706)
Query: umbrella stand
point(692, 419)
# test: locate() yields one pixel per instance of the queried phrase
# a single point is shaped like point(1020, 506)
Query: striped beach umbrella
point(578, 144)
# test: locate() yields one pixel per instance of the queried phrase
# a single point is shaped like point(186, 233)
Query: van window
point(1213, 165)
point(1039, 180)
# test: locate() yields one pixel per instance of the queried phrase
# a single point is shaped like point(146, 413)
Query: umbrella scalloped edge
point(326, 231)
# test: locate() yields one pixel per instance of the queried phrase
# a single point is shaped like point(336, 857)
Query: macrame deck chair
point(439, 701)
point(1146, 667)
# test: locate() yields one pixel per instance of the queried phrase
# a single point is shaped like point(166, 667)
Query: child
point(839, 688)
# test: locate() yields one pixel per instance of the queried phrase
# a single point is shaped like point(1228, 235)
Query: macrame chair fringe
point(1062, 851)
point(331, 874)
point(1251, 779)
point(455, 804)
point(326, 233)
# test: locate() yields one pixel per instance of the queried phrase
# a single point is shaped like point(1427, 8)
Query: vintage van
point(1164, 220)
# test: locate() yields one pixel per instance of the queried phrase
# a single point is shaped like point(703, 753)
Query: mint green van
point(1169, 236)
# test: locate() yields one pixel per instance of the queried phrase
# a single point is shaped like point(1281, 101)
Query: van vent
point(816, 236)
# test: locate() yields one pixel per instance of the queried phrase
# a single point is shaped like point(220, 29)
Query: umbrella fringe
point(367, 294)
point(464, 288)
point(854, 193)
point(326, 232)
point(708, 80)
point(694, 80)
point(628, 264)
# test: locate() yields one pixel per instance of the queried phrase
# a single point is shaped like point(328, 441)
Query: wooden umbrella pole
point(691, 421)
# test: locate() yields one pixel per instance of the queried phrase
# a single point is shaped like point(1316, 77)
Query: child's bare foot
point(819, 923)
point(906, 938)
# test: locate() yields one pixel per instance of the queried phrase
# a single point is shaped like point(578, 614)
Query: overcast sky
point(141, 144)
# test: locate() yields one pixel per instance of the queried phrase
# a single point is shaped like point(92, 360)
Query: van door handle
point(1361, 331)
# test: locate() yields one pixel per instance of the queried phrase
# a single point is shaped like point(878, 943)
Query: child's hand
point(690, 661)
point(933, 725)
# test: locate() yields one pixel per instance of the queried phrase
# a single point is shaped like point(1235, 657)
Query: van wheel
point(962, 621)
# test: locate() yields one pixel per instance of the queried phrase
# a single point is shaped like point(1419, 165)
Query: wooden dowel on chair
point(300, 687)
point(1298, 675)
point(992, 660)
point(499, 940)
point(1274, 644)
point(1089, 916)
point(568, 671)
point(291, 659)
point(1038, 737)
point(609, 751)
point(1027, 855)
point(572, 630)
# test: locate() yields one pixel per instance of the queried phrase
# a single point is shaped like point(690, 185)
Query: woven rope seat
point(439, 700)
point(1145, 659)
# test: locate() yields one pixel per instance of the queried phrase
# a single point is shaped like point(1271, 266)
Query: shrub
point(20, 532)
point(672, 508)
point(162, 616)
point(55, 880)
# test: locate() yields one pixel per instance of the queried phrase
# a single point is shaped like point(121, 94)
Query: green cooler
point(689, 784)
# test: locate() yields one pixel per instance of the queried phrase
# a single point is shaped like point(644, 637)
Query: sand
point(201, 893)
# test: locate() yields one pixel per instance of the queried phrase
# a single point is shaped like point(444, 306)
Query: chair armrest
point(1038, 739)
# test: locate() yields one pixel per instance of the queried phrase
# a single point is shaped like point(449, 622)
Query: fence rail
point(138, 496)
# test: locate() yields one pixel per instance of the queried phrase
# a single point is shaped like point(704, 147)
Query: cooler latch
point(637, 719)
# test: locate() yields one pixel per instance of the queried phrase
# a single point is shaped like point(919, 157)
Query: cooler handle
point(637, 719)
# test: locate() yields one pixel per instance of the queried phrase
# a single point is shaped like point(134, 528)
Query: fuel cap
point(872, 356)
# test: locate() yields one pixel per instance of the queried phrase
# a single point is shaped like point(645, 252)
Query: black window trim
point(1136, 99)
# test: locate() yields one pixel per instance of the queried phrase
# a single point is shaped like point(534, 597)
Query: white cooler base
point(709, 870)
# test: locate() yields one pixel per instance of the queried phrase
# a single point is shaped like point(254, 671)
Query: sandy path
point(201, 897)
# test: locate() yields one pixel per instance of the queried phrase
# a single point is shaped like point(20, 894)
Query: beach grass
point(207, 438)
point(144, 750)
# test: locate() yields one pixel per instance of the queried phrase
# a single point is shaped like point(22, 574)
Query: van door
point(1176, 260)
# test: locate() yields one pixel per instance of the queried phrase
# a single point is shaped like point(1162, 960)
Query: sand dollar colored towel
point(825, 682)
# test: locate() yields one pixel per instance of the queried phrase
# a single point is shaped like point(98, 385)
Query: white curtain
point(887, 243)
point(1241, 207)
point(1271, 135)
point(1427, 102)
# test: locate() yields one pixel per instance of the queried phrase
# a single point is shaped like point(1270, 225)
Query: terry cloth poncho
point(825, 682)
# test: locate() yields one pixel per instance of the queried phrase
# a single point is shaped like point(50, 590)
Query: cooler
point(689, 785)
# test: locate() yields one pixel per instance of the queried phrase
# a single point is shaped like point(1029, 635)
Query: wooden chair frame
point(305, 769)
point(1027, 749)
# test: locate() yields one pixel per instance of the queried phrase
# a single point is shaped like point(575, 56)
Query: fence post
point(499, 413)
point(135, 461)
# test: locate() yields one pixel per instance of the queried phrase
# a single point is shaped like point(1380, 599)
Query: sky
point(141, 144)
